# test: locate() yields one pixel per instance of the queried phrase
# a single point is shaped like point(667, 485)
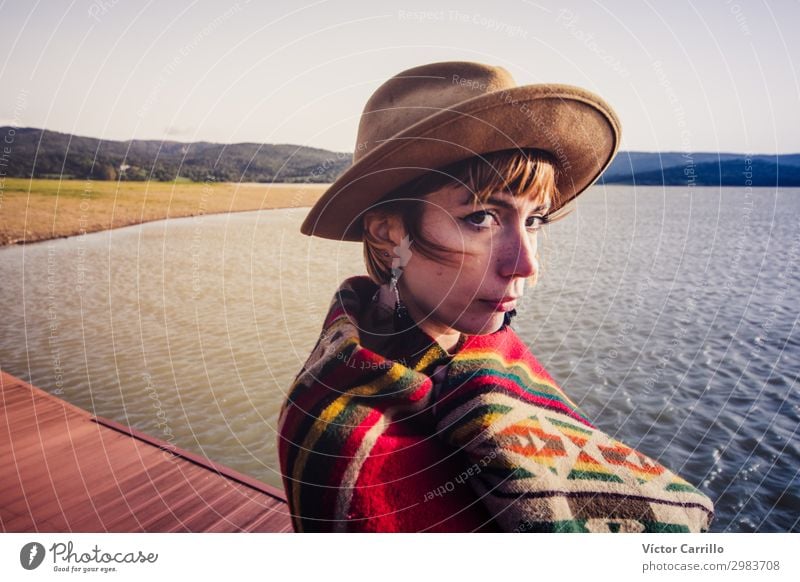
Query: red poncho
point(371, 442)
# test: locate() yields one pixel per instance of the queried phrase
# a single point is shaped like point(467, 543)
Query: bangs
point(527, 174)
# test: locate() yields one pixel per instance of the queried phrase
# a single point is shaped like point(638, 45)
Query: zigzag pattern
point(371, 444)
point(562, 472)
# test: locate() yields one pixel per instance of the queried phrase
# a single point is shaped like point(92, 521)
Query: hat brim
point(577, 127)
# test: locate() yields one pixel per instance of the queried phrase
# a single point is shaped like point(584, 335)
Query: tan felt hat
point(441, 113)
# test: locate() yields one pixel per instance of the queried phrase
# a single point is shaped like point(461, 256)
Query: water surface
point(670, 316)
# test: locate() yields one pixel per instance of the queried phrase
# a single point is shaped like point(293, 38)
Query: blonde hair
point(522, 172)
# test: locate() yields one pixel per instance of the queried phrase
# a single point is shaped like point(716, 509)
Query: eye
point(537, 221)
point(478, 219)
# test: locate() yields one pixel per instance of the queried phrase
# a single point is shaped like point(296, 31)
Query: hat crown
point(416, 94)
point(435, 115)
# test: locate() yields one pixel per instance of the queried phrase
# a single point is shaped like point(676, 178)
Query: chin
point(484, 327)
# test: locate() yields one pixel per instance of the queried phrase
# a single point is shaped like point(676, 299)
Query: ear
point(385, 230)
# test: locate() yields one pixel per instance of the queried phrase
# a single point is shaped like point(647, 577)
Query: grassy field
point(35, 210)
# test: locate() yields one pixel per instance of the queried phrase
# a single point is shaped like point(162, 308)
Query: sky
point(683, 76)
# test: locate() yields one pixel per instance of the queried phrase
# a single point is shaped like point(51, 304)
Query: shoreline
point(117, 226)
point(33, 211)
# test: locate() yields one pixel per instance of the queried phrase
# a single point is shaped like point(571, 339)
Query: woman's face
point(498, 240)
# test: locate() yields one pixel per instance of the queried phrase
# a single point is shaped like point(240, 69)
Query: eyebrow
point(502, 203)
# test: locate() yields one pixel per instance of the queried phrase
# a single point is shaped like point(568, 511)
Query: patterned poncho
point(415, 439)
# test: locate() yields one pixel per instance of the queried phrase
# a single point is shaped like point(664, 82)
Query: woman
point(419, 408)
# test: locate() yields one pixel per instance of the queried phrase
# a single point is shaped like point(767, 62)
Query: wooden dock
point(65, 470)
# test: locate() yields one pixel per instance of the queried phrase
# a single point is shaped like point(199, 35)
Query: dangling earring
point(507, 317)
point(401, 317)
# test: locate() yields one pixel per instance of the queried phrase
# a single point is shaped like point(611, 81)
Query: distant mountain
point(703, 169)
point(47, 154)
point(40, 153)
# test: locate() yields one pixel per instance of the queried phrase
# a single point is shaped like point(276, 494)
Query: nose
point(517, 254)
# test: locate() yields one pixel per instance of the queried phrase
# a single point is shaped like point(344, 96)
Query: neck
point(447, 338)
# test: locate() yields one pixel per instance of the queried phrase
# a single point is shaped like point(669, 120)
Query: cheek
point(430, 278)
point(433, 283)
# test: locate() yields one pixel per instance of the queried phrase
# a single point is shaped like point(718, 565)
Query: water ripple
point(671, 323)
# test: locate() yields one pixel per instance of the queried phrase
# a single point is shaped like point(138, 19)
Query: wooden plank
point(70, 471)
point(139, 486)
point(272, 522)
point(198, 459)
point(33, 393)
point(138, 504)
point(179, 505)
point(25, 441)
point(249, 512)
point(204, 517)
point(106, 495)
point(65, 462)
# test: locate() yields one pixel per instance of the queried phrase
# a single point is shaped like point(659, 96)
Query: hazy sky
point(701, 76)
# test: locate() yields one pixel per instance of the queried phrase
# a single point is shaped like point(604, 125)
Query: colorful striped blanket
point(418, 440)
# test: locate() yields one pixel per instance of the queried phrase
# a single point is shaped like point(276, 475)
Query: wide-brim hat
point(441, 113)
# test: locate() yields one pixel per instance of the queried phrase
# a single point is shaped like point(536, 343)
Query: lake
point(670, 316)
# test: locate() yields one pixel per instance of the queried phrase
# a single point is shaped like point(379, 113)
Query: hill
point(703, 169)
point(37, 153)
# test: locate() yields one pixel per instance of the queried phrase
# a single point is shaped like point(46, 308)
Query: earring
point(401, 317)
point(507, 317)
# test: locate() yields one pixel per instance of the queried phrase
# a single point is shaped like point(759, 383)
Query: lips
point(502, 304)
